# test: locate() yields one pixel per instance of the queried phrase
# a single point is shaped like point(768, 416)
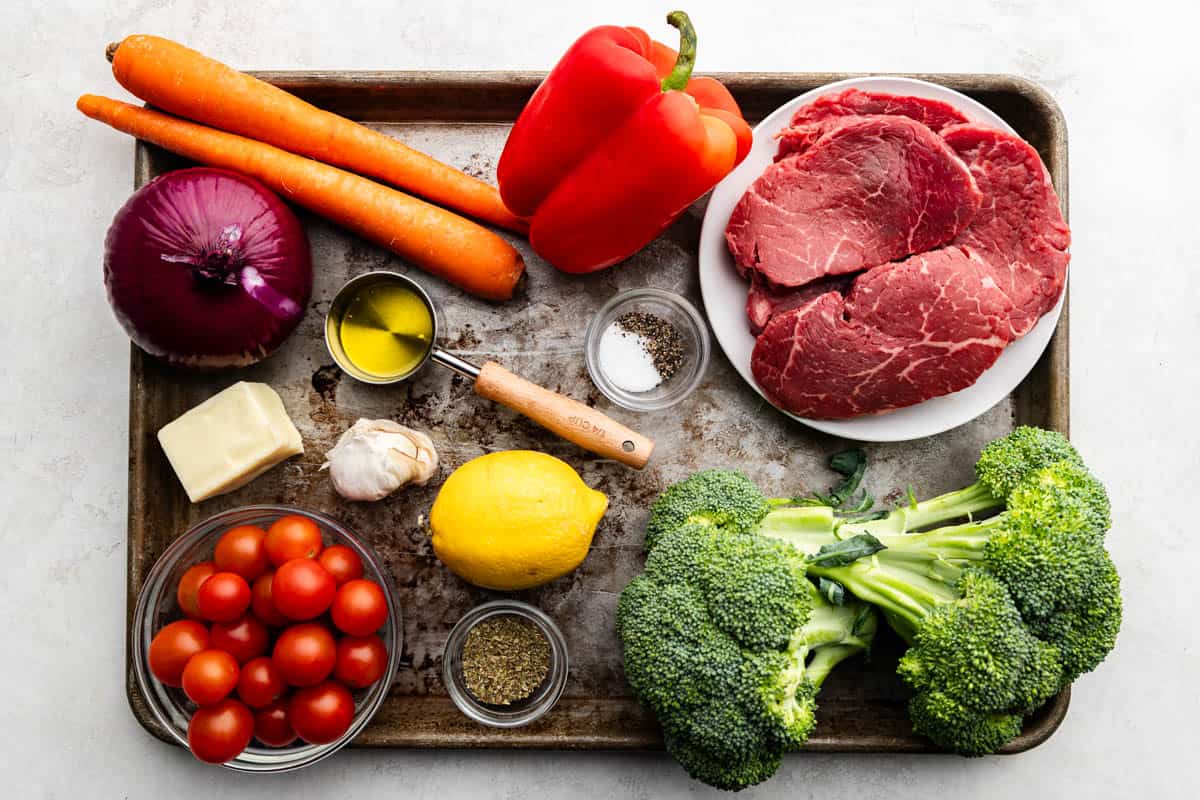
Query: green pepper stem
point(677, 79)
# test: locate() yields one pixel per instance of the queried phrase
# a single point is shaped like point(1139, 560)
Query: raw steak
point(812, 119)
point(872, 190)
point(1019, 232)
point(921, 328)
point(934, 114)
point(764, 301)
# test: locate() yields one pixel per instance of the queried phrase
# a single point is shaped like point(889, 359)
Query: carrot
point(181, 81)
point(456, 249)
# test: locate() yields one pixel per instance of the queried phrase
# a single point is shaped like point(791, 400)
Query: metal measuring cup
point(570, 419)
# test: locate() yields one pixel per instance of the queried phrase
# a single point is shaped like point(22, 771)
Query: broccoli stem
point(806, 528)
point(905, 589)
point(831, 635)
point(826, 658)
point(829, 624)
point(939, 510)
point(957, 544)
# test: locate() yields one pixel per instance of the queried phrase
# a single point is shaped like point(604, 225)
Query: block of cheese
point(229, 440)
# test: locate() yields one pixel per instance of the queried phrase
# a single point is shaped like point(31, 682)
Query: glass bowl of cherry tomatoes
point(265, 638)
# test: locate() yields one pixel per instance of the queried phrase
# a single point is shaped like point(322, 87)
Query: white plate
point(724, 290)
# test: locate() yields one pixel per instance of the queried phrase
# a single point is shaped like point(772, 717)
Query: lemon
point(514, 519)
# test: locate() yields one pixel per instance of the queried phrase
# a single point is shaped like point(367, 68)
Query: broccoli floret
point(682, 549)
point(1046, 547)
point(779, 696)
point(727, 642)
point(975, 667)
point(758, 589)
point(756, 586)
point(1005, 462)
point(944, 719)
point(724, 498)
point(730, 774)
point(977, 650)
point(1087, 632)
point(1066, 478)
point(1002, 465)
point(677, 661)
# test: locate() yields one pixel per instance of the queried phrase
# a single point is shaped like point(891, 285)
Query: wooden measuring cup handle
point(570, 419)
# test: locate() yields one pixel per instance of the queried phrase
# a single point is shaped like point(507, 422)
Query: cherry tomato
point(271, 725)
point(360, 608)
point(173, 646)
point(302, 589)
point(291, 537)
point(322, 713)
point(224, 597)
point(341, 562)
point(360, 661)
point(305, 654)
point(242, 551)
point(209, 677)
point(244, 639)
point(261, 603)
point(217, 733)
point(260, 683)
point(189, 584)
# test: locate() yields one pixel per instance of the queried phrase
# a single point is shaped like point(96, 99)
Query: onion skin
point(207, 268)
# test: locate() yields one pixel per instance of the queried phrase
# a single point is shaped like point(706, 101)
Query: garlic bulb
point(375, 457)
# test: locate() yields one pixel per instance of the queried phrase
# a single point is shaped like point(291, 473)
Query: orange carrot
point(464, 253)
point(181, 81)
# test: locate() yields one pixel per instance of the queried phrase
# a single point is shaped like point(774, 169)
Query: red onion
point(207, 268)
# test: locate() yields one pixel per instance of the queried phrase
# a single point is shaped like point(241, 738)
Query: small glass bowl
point(521, 712)
point(156, 606)
point(693, 333)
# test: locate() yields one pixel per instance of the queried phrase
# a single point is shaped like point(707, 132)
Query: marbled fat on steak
point(871, 190)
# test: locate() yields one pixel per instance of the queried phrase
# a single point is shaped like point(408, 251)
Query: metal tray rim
point(1052, 370)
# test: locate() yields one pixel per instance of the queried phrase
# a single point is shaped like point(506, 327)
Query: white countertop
point(1117, 69)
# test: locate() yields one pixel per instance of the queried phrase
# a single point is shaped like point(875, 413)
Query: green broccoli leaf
point(864, 504)
point(847, 551)
point(851, 465)
point(832, 591)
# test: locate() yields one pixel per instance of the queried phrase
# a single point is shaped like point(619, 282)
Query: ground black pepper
point(505, 659)
point(663, 343)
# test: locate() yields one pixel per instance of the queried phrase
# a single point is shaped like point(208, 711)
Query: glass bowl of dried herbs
point(505, 663)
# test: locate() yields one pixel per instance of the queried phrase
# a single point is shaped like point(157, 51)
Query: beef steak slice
point(872, 190)
point(1019, 232)
point(812, 119)
point(908, 331)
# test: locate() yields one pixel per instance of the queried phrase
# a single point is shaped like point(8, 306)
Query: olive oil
point(386, 330)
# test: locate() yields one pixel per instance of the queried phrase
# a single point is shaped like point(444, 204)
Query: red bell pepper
point(615, 144)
